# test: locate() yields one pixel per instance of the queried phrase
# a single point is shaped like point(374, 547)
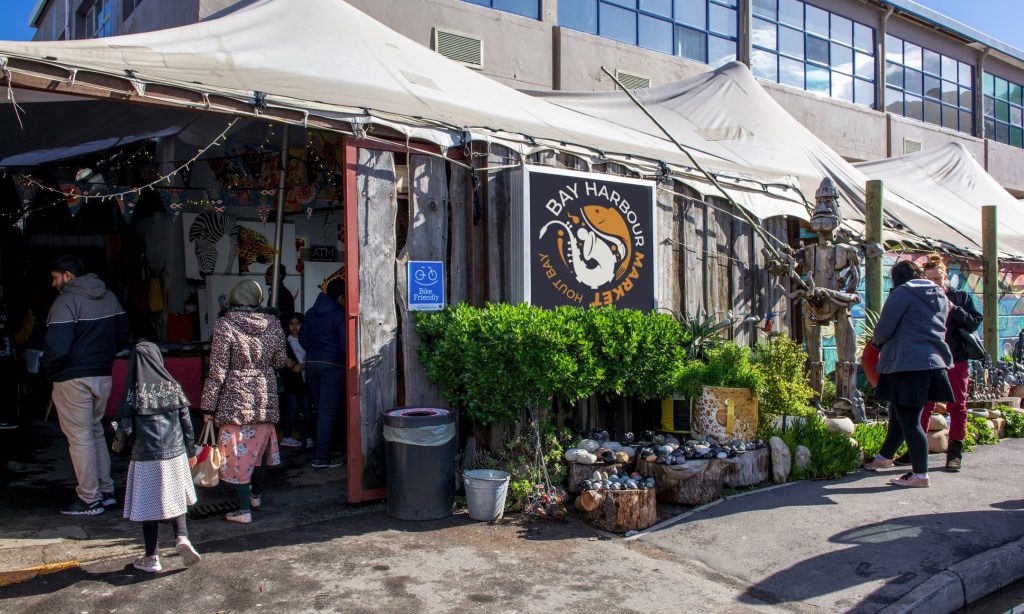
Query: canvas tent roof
point(950, 177)
point(332, 63)
point(728, 109)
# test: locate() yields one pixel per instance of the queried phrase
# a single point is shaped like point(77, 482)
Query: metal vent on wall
point(911, 146)
point(631, 81)
point(459, 47)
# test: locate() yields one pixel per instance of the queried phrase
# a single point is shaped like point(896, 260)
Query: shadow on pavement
point(900, 552)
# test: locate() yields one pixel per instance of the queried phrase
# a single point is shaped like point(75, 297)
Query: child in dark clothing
point(296, 397)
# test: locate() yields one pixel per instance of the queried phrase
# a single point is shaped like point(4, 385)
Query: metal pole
point(990, 308)
point(873, 232)
point(275, 279)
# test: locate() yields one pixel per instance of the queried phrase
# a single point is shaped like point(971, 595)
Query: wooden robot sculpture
point(826, 275)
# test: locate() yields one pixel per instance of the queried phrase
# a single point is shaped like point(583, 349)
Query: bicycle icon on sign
point(426, 276)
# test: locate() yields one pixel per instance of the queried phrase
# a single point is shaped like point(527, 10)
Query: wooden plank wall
point(707, 259)
point(427, 240)
point(378, 322)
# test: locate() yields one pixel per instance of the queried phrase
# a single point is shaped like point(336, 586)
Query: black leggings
point(150, 528)
point(905, 424)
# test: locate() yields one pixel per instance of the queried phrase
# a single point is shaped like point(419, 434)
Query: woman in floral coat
point(247, 346)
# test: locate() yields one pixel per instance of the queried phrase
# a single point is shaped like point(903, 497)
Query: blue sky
point(1003, 20)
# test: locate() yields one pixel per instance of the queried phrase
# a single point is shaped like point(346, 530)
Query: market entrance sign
point(426, 285)
point(589, 240)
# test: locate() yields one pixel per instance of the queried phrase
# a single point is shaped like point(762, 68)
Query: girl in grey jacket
point(912, 366)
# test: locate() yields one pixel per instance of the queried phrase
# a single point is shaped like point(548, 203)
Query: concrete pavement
point(854, 544)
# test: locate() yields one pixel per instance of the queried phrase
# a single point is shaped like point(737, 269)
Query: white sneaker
point(291, 442)
point(240, 517)
point(148, 564)
point(310, 444)
point(188, 553)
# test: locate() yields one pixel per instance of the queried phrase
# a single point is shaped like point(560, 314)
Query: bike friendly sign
point(426, 285)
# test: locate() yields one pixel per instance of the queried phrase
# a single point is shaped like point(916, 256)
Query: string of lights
point(73, 194)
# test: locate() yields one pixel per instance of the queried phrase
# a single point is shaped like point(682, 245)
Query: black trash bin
point(420, 462)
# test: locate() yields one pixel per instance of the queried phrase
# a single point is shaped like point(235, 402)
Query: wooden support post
point(873, 231)
point(990, 310)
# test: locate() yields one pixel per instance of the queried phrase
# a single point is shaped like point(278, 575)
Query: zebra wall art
point(206, 230)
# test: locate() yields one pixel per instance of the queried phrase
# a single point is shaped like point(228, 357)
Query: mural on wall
point(220, 243)
point(590, 240)
point(964, 274)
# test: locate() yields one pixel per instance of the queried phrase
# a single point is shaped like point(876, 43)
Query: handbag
point(973, 347)
point(206, 472)
point(869, 362)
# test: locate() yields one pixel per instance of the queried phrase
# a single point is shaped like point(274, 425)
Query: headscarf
point(149, 389)
point(245, 292)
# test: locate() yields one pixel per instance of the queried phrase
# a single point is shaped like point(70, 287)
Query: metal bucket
point(485, 493)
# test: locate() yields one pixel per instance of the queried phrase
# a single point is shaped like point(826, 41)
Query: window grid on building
point(98, 19)
point(803, 46)
point(928, 86)
point(1004, 110)
point(128, 7)
point(701, 30)
point(526, 8)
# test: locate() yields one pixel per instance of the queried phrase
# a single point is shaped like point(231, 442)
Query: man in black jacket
point(84, 330)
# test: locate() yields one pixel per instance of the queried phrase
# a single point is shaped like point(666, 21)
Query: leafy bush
point(727, 365)
point(639, 353)
point(493, 362)
point(832, 454)
point(870, 436)
point(979, 432)
point(786, 389)
point(1014, 422)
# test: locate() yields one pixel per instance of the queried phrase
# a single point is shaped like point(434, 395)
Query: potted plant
point(723, 390)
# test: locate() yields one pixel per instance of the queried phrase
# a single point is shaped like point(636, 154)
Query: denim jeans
point(296, 404)
point(327, 382)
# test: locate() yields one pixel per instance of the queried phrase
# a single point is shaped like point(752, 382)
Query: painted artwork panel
point(222, 244)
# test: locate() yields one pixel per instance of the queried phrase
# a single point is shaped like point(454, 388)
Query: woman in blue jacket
point(912, 365)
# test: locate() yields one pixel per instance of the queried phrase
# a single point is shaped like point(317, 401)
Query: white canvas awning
point(735, 118)
point(956, 186)
point(331, 66)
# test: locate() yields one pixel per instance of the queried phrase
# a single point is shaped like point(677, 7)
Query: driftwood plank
point(741, 282)
point(427, 240)
point(667, 236)
point(378, 322)
point(775, 292)
point(460, 201)
point(499, 286)
point(693, 256)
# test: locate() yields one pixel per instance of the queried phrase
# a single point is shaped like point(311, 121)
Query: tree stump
point(696, 482)
point(579, 472)
point(619, 511)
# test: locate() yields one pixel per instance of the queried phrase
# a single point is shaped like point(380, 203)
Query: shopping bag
point(206, 472)
point(869, 362)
